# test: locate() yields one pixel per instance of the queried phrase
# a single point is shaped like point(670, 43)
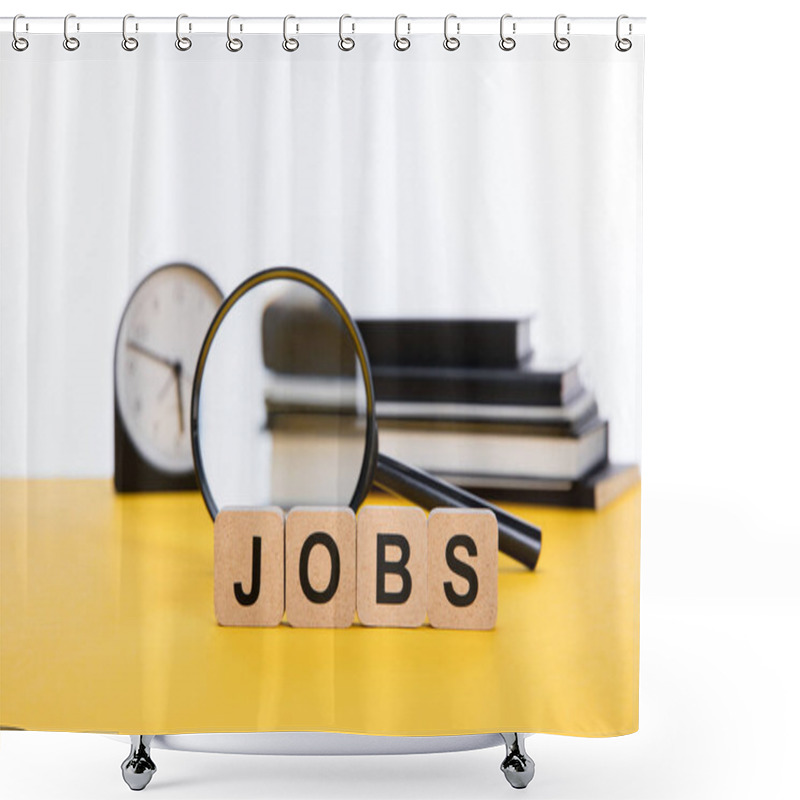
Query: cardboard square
point(462, 569)
point(249, 566)
point(392, 558)
point(320, 567)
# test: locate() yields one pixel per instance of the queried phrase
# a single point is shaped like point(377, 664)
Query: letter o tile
point(320, 567)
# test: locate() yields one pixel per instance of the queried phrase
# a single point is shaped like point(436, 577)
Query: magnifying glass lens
point(280, 411)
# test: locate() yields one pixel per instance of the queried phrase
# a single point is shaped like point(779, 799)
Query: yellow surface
point(107, 624)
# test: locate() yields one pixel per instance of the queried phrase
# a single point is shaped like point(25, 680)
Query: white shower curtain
point(476, 183)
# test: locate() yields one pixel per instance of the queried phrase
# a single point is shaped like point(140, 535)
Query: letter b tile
point(392, 556)
point(320, 567)
point(462, 569)
point(248, 566)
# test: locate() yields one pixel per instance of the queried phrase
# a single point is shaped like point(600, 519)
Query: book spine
point(555, 429)
point(469, 419)
point(507, 388)
point(447, 343)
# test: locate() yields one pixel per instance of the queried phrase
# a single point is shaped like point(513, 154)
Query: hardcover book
point(530, 385)
point(447, 342)
point(595, 490)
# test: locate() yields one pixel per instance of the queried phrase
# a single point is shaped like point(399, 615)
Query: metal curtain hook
point(181, 42)
point(19, 43)
point(401, 42)
point(623, 45)
point(451, 42)
point(346, 42)
point(289, 44)
point(233, 44)
point(506, 42)
point(129, 43)
point(70, 42)
point(561, 43)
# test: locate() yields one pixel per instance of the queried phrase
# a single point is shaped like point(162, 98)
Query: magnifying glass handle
point(518, 539)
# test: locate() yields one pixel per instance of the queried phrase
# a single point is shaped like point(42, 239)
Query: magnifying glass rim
point(301, 276)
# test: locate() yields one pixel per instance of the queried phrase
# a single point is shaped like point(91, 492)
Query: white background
point(720, 695)
point(420, 183)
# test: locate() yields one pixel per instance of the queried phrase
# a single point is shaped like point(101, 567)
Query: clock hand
point(166, 386)
point(150, 354)
point(177, 372)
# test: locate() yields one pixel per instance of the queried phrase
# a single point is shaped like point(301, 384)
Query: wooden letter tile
point(462, 569)
point(248, 566)
point(392, 555)
point(320, 567)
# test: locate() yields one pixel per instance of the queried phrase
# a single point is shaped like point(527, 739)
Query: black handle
point(518, 539)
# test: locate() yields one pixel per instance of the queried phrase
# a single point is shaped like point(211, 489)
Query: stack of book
point(468, 401)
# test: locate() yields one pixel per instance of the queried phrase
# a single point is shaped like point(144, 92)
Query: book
point(301, 334)
point(528, 385)
point(509, 463)
point(310, 394)
point(570, 416)
point(553, 427)
point(447, 342)
point(507, 450)
point(594, 491)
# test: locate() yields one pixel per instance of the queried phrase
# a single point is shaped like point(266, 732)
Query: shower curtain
point(470, 184)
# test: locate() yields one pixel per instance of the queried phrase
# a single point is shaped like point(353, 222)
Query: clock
point(158, 341)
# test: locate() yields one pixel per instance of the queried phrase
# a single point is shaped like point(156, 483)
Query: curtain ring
point(289, 44)
point(233, 44)
point(561, 43)
point(19, 43)
point(129, 43)
point(401, 43)
point(183, 43)
point(71, 43)
point(451, 42)
point(623, 45)
point(346, 43)
point(506, 42)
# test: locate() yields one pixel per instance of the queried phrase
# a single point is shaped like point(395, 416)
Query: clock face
point(159, 340)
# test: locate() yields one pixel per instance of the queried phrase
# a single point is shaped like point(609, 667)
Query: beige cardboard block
point(248, 566)
point(462, 569)
point(320, 567)
point(392, 556)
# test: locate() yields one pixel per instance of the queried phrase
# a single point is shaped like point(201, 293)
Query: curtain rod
point(325, 25)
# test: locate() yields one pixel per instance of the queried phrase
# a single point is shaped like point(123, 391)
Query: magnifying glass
point(283, 411)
